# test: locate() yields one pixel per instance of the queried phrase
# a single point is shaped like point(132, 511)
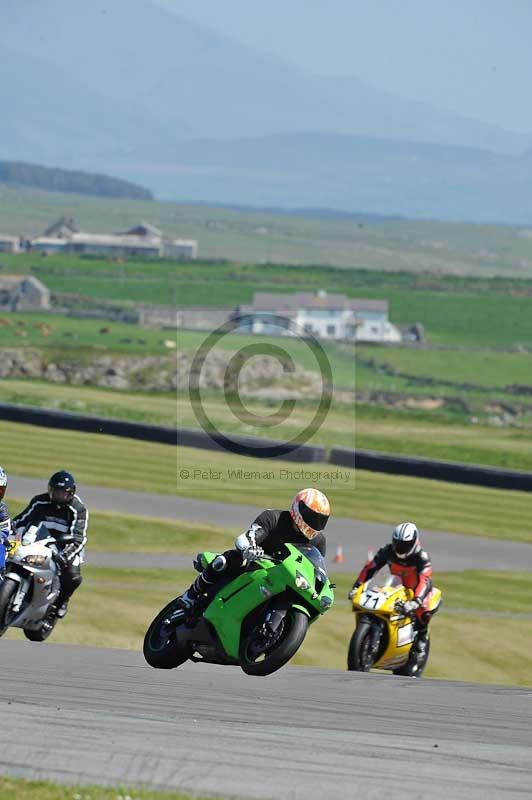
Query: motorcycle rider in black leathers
point(5, 522)
point(64, 514)
point(302, 524)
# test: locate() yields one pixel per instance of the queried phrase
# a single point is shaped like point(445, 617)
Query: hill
point(203, 83)
point(16, 173)
point(379, 176)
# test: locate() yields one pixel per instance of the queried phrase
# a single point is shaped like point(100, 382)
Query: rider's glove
point(252, 553)
point(69, 552)
point(353, 590)
point(409, 607)
point(246, 543)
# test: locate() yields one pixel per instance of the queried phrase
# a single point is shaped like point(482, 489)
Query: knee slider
point(76, 581)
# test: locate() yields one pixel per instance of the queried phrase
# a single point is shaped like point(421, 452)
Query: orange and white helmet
point(310, 512)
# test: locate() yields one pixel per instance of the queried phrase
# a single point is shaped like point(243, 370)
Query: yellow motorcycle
point(384, 635)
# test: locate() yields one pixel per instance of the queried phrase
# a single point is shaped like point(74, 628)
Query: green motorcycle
point(256, 621)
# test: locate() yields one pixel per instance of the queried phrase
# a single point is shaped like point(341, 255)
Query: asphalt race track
point(449, 551)
point(76, 714)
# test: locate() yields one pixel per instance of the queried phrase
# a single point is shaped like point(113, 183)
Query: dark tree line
point(17, 173)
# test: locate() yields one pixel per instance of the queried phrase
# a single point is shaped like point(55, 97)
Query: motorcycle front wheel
point(258, 657)
point(359, 656)
point(162, 649)
point(8, 590)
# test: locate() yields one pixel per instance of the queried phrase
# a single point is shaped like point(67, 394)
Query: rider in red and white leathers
point(406, 559)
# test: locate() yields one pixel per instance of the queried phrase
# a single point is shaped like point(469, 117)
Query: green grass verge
point(146, 467)
point(440, 434)
point(467, 644)
point(11, 788)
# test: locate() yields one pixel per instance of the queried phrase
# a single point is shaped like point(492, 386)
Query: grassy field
point(20, 789)
point(139, 466)
point(462, 639)
point(261, 236)
point(63, 335)
point(454, 310)
point(486, 312)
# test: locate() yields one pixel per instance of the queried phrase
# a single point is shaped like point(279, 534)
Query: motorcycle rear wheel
point(42, 633)
point(359, 659)
point(295, 626)
point(8, 590)
point(162, 649)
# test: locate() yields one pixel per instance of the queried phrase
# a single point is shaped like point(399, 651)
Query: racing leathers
point(270, 530)
point(62, 520)
point(415, 572)
point(5, 530)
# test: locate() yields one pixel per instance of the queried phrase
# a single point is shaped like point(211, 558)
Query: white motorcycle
point(31, 584)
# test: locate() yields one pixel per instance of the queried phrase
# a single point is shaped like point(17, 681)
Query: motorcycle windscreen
point(33, 535)
point(377, 583)
point(316, 558)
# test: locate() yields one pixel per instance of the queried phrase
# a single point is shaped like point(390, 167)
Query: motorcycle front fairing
point(30, 563)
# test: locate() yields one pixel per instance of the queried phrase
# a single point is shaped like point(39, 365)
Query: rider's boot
point(198, 596)
point(421, 643)
point(62, 609)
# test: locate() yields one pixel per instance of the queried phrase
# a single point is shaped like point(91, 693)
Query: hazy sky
point(471, 56)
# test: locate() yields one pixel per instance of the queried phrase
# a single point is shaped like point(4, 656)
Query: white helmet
point(405, 539)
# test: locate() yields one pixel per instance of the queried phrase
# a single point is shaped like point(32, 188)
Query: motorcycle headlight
point(35, 560)
point(301, 581)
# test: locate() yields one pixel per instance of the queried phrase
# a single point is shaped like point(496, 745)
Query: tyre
point(259, 659)
point(359, 655)
point(414, 667)
point(162, 649)
point(8, 590)
point(40, 634)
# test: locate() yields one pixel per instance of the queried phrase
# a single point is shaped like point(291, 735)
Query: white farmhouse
point(324, 315)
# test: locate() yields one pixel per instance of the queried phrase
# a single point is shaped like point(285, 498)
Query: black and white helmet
point(405, 539)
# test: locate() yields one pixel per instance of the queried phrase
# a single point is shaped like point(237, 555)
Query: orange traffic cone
point(339, 556)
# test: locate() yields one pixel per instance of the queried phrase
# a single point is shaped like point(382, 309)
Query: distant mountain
point(351, 173)
point(130, 89)
point(195, 83)
point(52, 179)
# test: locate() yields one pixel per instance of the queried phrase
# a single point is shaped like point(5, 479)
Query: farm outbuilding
point(9, 244)
point(23, 293)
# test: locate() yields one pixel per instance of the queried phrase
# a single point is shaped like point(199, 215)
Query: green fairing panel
point(237, 599)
